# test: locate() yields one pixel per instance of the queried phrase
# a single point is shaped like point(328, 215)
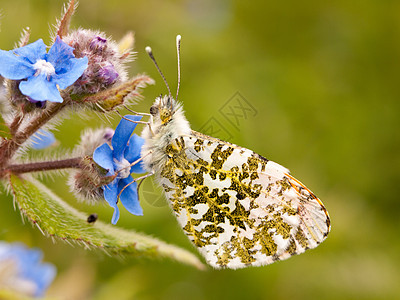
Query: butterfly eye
point(153, 110)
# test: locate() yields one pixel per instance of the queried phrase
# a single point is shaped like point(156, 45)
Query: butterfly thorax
point(167, 123)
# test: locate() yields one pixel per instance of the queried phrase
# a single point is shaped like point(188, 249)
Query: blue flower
point(42, 139)
point(26, 273)
point(42, 74)
point(116, 160)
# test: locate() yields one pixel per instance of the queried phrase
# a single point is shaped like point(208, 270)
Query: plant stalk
point(9, 147)
point(43, 166)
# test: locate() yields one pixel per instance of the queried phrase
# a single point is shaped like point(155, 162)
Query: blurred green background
point(321, 78)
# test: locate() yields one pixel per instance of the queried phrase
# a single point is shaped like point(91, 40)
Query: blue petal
point(129, 197)
point(103, 156)
point(59, 55)
point(42, 139)
point(44, 276)
point(40, 88)
point(32, 52)
point(31, 268)
point(111, 196)
point(132, 153)
point(14, 67)
point(26, 257)
point(122, 134)
point(75, 70)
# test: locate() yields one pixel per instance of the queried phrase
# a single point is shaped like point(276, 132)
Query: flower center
point(123, 168)
point(42, 66)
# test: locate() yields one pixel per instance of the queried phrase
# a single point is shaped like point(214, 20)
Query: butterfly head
point(167, 117)
point(163, 109)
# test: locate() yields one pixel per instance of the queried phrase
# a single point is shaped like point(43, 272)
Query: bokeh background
point(321, 83)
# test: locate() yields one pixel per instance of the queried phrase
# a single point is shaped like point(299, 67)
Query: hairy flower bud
point(86, 182)
point(98, 44)
point(91, 139)
point(108, 73)
point(106, 62)
point(17, 99)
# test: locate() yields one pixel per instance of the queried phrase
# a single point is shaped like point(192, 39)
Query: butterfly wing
point(237, 207)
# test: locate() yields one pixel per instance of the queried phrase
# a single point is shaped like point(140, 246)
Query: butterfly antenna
point(150, 53)
point(178, 51)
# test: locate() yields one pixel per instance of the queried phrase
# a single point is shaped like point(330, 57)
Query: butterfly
point(237, 207)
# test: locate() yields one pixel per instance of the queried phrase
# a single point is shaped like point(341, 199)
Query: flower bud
point(108, 134)
point(98, 44)
point(86, 182)
point(91, 139)
point(108, 73)
point(17, 99)
point(105, 65)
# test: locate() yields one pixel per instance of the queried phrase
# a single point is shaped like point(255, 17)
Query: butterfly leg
point(134, 180)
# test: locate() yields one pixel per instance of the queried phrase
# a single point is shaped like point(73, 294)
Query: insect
point(237, 207)
point(92, 218)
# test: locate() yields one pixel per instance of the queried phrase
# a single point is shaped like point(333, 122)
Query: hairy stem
point(9, 147)
point(42, 119)
point(43, 166)
point(15, 123)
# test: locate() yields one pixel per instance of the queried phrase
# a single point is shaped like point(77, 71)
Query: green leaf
point(4, 130)
point(56, 218)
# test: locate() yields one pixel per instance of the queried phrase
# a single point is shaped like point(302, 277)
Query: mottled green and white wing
point(237, 207)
